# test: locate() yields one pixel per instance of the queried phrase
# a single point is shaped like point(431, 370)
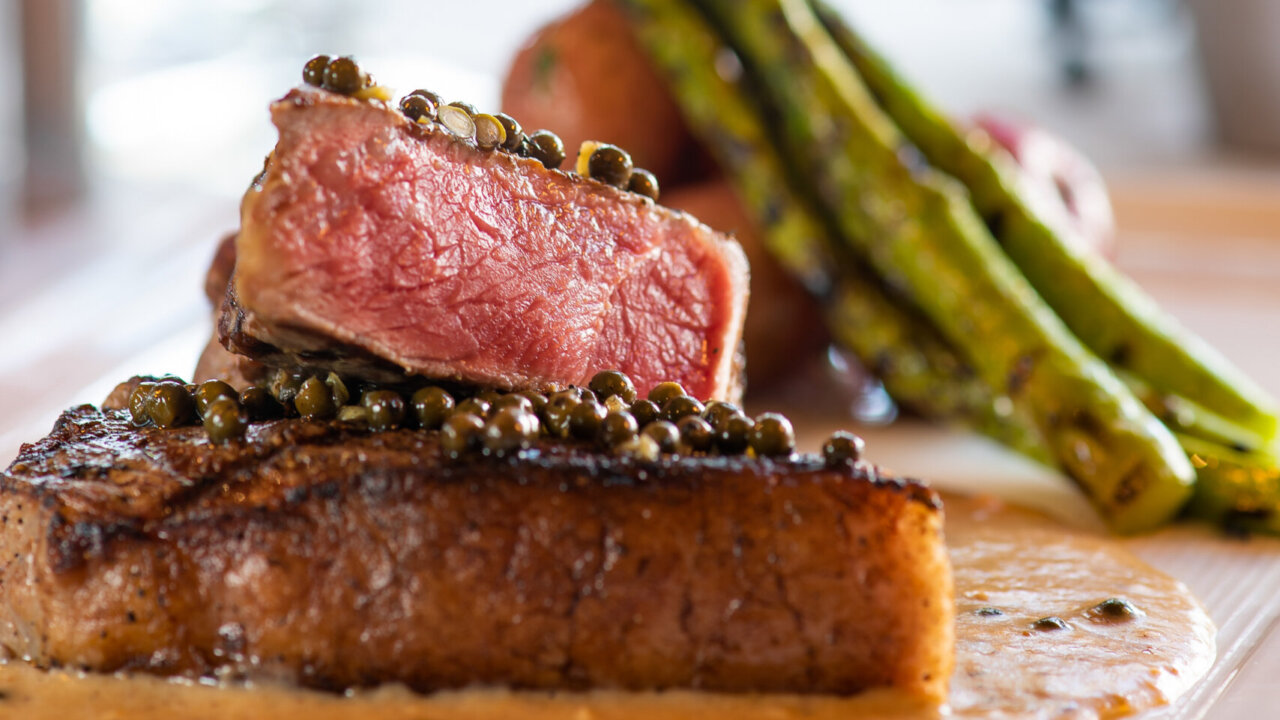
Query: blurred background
point(103, 92)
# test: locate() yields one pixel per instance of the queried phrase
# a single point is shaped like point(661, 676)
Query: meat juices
point(323, 554)
point(387, 247)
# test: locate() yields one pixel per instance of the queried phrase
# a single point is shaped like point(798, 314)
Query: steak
point(216, 362)
point(327, 555)
point(396, 247)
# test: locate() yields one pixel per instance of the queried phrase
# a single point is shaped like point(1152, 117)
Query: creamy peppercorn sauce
point(1013, 569)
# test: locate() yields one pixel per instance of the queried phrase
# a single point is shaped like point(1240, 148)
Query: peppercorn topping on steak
point(383, 242)
point(482, 544)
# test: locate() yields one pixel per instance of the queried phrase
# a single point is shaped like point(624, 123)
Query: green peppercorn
point(457, 121)
point(431, 405)
point(717, 411)
point(313, 70)
point(511, 400)
point(258, 404)
point(386, 408)
point(617, 427)
point(337, 388)
point(665, 434)
point(418, 108)
point(585, 419)
point(532, 424)
point(988, 612)
point(568, 394)
point(435, 100)
point(645, 411)
point(608, 383)
point(664, 391)
point(610, 164)
point(1114, 610)
point(584, 394)
point(460, 433)
point(680, 406)
point(1050, 624)
point(546, 147)
point(514, 133)
point(511, 427)
point(210, 390)
point(696, 434)
point(342, 75)
point(223, 420)
point(489, 132)
point(772, 436)
point(735, 434)
point(466, 107)
point(490, 396)
point(842, 449)
point(138, 402)
point(555, 416)
point(474, 406)
point(537, 401)
point(314, 400)
point(170, 404)
point(643, 183)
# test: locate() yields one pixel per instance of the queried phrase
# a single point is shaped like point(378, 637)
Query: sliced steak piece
point(371, 236)
point(334, 557)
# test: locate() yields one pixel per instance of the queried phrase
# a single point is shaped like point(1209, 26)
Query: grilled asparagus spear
point(917, 366)
point(920, 367)
point(1187, 418)
point(1107, 311)
point(1239, 490)
point(917, 229)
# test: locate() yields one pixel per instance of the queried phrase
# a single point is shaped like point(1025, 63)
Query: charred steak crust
point(373, 233)
point(334, 557)
point(234, 329)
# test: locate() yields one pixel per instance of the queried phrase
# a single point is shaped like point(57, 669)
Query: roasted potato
point(585, 78)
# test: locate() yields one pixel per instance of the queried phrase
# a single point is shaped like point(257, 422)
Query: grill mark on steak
point(395, 247)
point(333, 557)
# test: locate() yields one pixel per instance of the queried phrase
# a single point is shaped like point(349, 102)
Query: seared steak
point(216, 362)
point(395, 245)
point(334, 557)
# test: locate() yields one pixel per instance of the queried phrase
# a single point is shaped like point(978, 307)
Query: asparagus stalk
point(1187, 418)
point(916, 365)
point(1238, 490)
point(921, 371)
point(916, 228)
point(1102, 307)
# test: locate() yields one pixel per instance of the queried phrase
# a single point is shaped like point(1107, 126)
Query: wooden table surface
point(115, 288)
